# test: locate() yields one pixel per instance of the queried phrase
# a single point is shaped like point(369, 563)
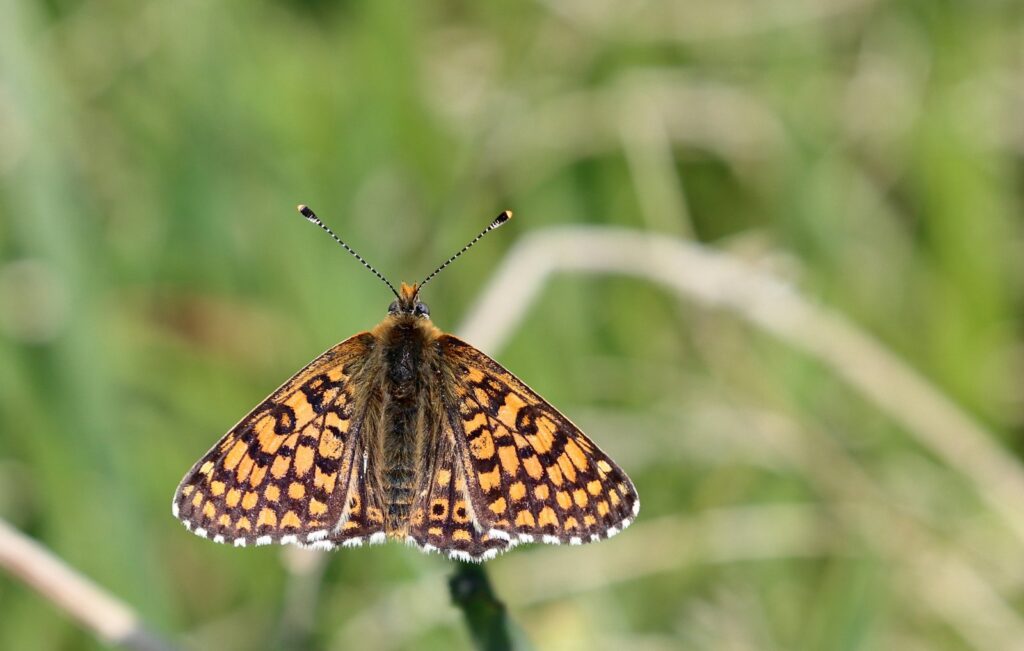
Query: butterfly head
point(408, 303)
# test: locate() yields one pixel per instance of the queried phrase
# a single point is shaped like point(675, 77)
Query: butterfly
point(407, 433)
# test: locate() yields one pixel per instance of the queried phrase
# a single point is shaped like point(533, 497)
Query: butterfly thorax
point(409, 356)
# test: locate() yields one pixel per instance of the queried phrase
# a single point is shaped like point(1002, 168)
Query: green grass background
point(155, 283)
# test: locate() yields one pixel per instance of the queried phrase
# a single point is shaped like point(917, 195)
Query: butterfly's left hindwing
point(532, 474)
point(291, 470)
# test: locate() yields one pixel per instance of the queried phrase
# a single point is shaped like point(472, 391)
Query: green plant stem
point(485, 614)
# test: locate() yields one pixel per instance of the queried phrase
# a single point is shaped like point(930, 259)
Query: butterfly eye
point(393, 308)
point(421, 309)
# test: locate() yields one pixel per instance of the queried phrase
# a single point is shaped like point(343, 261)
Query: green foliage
point(155, 283)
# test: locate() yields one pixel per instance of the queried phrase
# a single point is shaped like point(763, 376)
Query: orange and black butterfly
point(408, 433)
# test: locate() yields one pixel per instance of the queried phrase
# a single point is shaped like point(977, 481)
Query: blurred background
point(798, 493)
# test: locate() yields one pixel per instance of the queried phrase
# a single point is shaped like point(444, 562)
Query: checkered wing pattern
point(292, 470)
point(531, 474)
point(442, 517)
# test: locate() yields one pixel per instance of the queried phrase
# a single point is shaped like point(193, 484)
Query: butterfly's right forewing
point(532, 474)
point(291, 470)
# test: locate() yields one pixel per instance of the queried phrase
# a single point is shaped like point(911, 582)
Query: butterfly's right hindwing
point(442, 517)
point(290, 471)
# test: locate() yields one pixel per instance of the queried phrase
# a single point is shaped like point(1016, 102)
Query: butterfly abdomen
point(399, 460)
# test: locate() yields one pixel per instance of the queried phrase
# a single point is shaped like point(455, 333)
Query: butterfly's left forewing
point(292, 471)
point(531, 474)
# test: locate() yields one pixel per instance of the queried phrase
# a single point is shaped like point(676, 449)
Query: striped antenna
point(311, 216)
point(498, 221)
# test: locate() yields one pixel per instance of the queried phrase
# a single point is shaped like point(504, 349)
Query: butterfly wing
point(531, 474)
point(442, 516)
point(293, 470)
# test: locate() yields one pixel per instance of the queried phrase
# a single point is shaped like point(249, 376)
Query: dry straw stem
point(729, 121)
point(113, 621)
point(718, 280)
point(691, 22)
point(305, 569)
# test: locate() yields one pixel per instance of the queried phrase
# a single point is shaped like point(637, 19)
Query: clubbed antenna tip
point(501, 219)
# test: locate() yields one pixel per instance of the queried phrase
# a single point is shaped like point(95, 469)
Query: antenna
point(311, 216)
point(498, 221)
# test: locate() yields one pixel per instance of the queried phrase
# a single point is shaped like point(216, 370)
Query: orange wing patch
point(290, 471)
point(442, 517)
point(533, 475)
